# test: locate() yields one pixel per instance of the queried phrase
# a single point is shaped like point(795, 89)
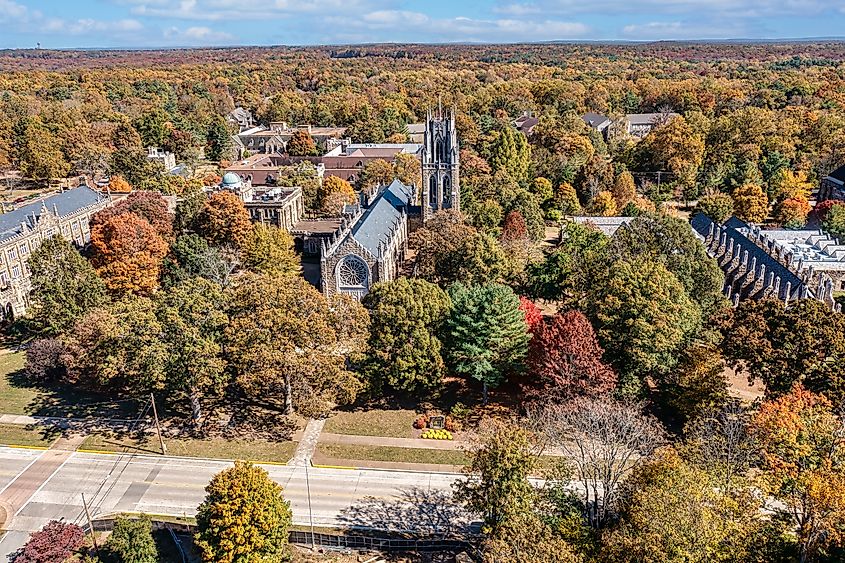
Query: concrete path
point(307, 442)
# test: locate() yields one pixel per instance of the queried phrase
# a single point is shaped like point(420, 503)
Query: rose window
point(352, 274)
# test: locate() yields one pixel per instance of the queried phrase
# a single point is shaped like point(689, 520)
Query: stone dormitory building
point(783, 264)
point(22, 230)
point(371, 243)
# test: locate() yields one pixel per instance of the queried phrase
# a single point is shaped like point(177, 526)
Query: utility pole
point(158, 427)
point(90, 525)
point(310, 513)
point(659, 172)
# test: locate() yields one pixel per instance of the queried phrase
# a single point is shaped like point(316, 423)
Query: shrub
point(132, 541)
point(421, 422)
point(460, 411)
point(451, 424)
point(43, 360)
point(55, 542)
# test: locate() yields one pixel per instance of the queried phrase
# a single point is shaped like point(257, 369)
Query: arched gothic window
point(353, 276)
point(432, 191)
point(440, 150)
point(447, 191)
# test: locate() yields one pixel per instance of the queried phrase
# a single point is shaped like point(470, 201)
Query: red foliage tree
point(514, 227)
point(55, 542)
point(224, 219)
point(566, 359)
point(823, 207)
point(127, 253)
point(533, 315)
point(147, 205)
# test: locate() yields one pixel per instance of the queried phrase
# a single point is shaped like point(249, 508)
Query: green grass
point(391, 424)
point(14, 398)
point(19, 435)
point(252, 450)
point(392, 454)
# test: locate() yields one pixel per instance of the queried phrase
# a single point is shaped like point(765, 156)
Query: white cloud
point(681, 30)
point(12, 11)
point(196, 35)
point(713, 8)
point(218, 10)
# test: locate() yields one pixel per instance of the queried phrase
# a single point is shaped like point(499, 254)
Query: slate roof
point(737, 229)
point(383, 215)
point(838, 174)
point(65, 203)
point(607, 225)
point(595, 120)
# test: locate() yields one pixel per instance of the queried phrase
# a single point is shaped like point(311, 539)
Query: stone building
point(370, 245)
point(278, 206)
point(22, 230)
point(785, 265)
point(347, 160)
point(832, 186)
point(440, 165)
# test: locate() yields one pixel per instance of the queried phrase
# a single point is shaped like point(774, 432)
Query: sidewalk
point(420, 443)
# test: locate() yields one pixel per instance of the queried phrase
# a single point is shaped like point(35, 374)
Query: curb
point(159, 456)
point(19, 447)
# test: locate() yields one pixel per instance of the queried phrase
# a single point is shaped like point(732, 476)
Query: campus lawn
point(20, 435)
point(217, 448)
point(392, 454)
point(14, 398)
point(388, 423)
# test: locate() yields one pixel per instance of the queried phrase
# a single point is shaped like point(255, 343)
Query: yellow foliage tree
point(751, 203)
point(603, 205)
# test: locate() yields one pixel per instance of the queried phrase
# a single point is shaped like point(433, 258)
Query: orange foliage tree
point(803, 444)
point(223, 219)
point(127, 253)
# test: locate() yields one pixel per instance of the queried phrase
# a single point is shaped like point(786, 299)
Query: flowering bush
point(421, 422)
point(437, 435)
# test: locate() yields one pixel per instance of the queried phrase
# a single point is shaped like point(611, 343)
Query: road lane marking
point(43, 483)
point(19, 473)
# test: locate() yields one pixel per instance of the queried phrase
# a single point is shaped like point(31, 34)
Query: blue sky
point(163, 23)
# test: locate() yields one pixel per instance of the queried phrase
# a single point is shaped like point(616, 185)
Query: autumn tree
point(406, 168)
point(678, 148)
point(131, 541)
point(147, 205)
point(288, 344)
point(269, 250)
point(405, 351)
point(803, 452)
point(449, 250)
point(377, 173)
point(695, 384)
point(804, 343)
point(187, 208)
point(624, 189)
point(751, 203)
point(645, 317)
point(603, 205)
point(487, 334)
point(56, 541)
point(224, 220)
point(301, 144)
point(533, 315)
point(605, 441)
point(792, 212)
point(244, 517)
point(333, 194)
point(673, 513)
point(119, 185)
point(117, 346)
point(497, 486)
point(718, 207)
point(566, 359)
point(192, 321)
point(127, 253)
point(566, 199)
point(834, 222)
point(787, 184)
point(64, 286)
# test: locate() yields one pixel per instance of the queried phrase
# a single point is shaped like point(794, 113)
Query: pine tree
point(488, 336)
point(218, 139)
point(510, 153)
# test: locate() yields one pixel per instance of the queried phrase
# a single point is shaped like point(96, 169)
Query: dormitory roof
point(65, 203)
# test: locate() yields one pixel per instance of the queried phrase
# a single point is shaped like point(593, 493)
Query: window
point(13, 253)
point(353, 276)
point(76, 227)
point(50, 232)
point(24, 249)
point(16, 272)
point(4, 279)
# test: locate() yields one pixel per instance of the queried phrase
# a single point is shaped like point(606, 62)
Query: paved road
point(174, 486)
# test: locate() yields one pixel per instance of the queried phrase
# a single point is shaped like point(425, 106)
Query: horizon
point(186, 24)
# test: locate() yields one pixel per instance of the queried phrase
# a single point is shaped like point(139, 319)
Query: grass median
point(387, 423)
point(392, 454)
point(217, 448)
point(20, 435)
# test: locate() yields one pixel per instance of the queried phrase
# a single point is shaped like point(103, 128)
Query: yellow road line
point(320, 466)
point(25, 447)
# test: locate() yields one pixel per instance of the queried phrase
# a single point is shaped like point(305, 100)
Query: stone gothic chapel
point(372, 241)
point(440, 164)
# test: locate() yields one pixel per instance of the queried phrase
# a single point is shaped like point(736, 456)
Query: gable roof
point(595, 120)
point(838, 174)
point(63, 204)
point(382, 216)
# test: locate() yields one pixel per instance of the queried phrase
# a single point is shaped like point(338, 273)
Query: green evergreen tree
point(132, 541)
point(64, 286)
point(404, 346)
point(509, 152)
point(487, 333)
point(244, 518)
point(218, 139)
